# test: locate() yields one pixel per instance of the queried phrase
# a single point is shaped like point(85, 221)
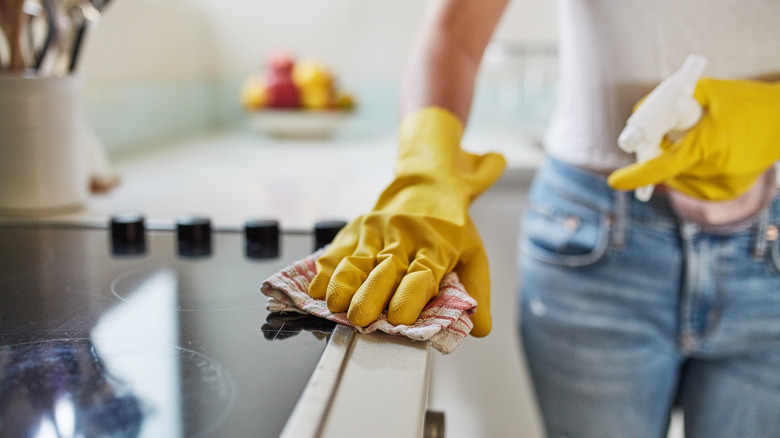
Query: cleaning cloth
point(444, 322)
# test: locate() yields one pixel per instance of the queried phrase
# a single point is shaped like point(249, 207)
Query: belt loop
point(760, 234)
point(620, 218)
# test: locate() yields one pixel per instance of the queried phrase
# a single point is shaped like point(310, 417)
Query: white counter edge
point(365, 385)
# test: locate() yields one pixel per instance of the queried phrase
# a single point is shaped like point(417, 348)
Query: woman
point(628, 307)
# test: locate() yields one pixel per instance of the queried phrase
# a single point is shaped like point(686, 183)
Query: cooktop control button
point(194, 236)
point(128, 234)
point(262, 238)
point(325, 231)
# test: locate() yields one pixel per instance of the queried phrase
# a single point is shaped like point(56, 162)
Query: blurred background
point(176, 66)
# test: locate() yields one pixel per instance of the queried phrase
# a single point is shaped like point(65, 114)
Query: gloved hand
point(395, 256)
point(736, 140)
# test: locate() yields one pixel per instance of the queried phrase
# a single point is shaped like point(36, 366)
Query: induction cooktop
point(129, 330)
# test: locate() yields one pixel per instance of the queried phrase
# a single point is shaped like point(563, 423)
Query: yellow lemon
point(253, 92)
point(315, 83)
point(309, 72)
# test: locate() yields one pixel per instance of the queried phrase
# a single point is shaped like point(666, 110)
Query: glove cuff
point(426, 128)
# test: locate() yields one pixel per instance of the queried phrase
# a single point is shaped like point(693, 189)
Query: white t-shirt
point(613, 52)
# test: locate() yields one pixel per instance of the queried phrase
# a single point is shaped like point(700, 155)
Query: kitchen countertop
point(233, 175)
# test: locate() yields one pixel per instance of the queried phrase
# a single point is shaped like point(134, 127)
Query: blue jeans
point(627, 312)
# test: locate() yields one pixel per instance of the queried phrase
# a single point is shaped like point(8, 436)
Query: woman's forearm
point(445, 57)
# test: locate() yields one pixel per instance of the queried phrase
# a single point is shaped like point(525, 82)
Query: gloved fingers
point(639, 103)
point(703, 90)
point(326, 265)
point(474, 274)
point(367, 270)
point(421, 282)
point(715, 187)
point(487, 169)
point(717, 95)
point(371, 298)
point(671, 162)
point(346, 279)
point(356, 239)
point(413, 293)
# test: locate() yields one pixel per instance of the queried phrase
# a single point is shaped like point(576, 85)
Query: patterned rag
point(444, 322)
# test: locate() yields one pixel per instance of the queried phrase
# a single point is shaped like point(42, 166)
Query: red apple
point(281, 91)
point(280, 61)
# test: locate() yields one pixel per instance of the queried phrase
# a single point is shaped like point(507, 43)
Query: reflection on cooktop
point(99, 342)
point(62, 388)
point(65, 388)
point(282, 325)
point(196, 288)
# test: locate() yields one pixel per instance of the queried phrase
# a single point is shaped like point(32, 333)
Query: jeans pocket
point(573, 238)
point(774, 254)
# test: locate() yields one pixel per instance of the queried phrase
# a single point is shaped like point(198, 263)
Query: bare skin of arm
point(447, 53)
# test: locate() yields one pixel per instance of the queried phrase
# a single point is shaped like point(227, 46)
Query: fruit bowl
point(297, 124)
point(295, 98)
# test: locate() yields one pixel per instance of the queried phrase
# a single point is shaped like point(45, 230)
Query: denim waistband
point(591, 188)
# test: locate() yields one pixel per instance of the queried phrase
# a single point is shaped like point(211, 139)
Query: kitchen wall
point(156, 69)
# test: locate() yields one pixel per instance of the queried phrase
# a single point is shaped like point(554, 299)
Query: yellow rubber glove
point(736, 140)
point(395, 256)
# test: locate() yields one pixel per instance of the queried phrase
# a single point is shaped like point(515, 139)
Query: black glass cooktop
point(150, 336)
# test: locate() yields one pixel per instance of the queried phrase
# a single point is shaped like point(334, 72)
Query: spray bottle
point(670, 109)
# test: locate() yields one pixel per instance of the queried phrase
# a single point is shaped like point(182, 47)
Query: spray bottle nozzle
point(669, 107)
point(631, 139)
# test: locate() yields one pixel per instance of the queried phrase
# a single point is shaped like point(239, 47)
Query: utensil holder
point(43, 163)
